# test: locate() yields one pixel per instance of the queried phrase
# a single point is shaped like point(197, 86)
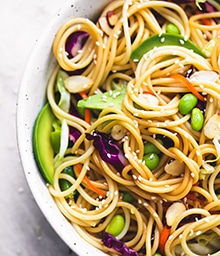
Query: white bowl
point(31, 98)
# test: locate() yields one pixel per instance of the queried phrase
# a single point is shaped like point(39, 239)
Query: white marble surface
point(23, 229)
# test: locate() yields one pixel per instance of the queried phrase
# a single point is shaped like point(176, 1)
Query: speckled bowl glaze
point(31, 98)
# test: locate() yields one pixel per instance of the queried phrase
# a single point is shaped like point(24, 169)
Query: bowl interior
point(31, 98)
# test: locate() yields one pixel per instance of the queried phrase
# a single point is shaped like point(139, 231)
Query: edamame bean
point(157, 254)
point(151, 160)
point(187, 103)
point(151, 148)
point(197, 119)
point(172, 29)
point(115, 225)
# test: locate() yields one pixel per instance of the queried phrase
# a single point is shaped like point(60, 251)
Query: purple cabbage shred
point(108, 149)
point(75, 42)
point(111, 242)
point(205, 7)
point(74, 134)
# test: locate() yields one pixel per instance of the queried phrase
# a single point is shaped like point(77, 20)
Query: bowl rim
point(37, 72)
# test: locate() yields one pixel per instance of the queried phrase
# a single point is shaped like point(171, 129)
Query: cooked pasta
point(174, 206)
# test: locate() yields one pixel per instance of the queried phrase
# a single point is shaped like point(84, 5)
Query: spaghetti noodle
point(149, 113)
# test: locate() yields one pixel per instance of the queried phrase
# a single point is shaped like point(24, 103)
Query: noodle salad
point(128, 140)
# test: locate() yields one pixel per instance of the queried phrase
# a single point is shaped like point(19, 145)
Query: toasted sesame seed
point(201, 86)
point(198, 233)
point(134, 177)
point(126, 155)
point(140, 178)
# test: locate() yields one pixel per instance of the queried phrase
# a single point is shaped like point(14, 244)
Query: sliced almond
point(174, 211)
point(104, 25)
point(212, 127)
point(174, 168)
point(76, 84)
point(204, 75)
point(147, 98)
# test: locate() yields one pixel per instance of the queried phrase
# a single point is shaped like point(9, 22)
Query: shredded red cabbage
point(205, 7)
point(111, 242)
point(75, 42)
point(108, 149)
point(74, 134)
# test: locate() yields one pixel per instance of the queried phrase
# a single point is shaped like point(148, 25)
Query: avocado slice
point(104, 100)
point(42, 146)
point(164, 39)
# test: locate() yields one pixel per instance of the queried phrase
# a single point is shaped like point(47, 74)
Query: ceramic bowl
point(31, 98)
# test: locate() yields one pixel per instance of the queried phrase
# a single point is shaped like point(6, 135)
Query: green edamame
point(172, 29)
point(197, 119)
point(116, 225)
point(151, 148)
point(157, 254)
point(151, 160)
point(187, 103)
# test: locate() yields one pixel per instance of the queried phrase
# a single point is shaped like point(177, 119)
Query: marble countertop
point(24, 230)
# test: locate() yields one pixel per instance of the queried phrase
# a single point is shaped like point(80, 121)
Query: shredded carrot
point(205, 21)
point(87, 111)
point(187, 83)
point(100, 192)
point(163, 238)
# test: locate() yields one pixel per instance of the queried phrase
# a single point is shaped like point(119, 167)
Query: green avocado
point(104, 100)
point(164, 39)
point(43, 150)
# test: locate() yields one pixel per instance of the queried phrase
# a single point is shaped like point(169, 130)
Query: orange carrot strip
point(187, 83)
point(163, 238)
point(100, 192)
point(87, 112)
point(205, 21)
